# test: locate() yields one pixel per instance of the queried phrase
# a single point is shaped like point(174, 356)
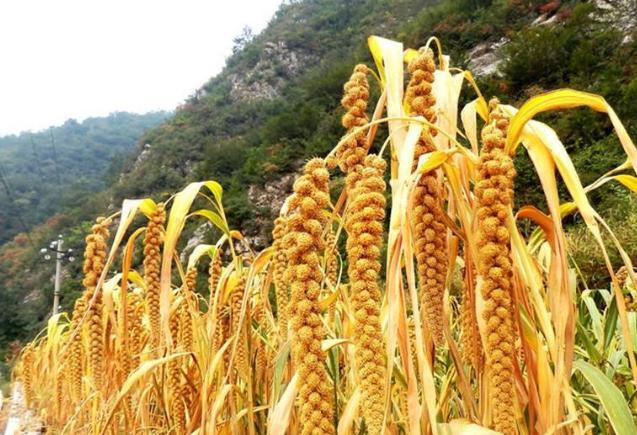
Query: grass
point(358, 355)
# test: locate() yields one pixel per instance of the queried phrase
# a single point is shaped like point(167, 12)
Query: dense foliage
point(52, 170)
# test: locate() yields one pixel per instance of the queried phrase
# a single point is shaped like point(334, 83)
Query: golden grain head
point(370, 347)
point(366, 214)
point(495, 172)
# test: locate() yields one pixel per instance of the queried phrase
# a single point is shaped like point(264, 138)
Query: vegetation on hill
point(239, 136)
point(52, 170)
point(277, 103)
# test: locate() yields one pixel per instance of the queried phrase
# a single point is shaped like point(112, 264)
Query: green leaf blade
point(610, 396)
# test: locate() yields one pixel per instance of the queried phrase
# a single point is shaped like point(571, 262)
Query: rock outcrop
point(620, 14)
point(485, 58)
point(277, 64)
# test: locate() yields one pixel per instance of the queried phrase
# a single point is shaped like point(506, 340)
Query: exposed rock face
point(32, 296)
point(484, 58)
point(138, 161)
point(272, 195)
point(620, 14)
point(277, 65)
point(198, 237)
point(268, 201)
point(144, 154)
point(544, 20)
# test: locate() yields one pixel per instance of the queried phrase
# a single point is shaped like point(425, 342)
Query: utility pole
point(58, 276)
point(60, 255)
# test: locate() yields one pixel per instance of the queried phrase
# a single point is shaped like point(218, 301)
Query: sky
point(80, 58)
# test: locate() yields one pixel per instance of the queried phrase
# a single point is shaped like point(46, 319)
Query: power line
point(39, 184)
point(55, 159)
point(37, 158)
point(5, 184)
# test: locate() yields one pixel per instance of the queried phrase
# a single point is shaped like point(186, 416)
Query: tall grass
point(473, 327)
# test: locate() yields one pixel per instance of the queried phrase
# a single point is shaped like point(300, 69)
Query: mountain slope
point(277, 103)
point(48, 171)
point(272, 96)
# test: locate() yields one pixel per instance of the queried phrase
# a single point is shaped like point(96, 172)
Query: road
point(19, 416)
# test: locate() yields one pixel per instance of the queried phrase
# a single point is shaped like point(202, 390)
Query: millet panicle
point(494, 194)
point(351, 152)
point(94, 260)
point(430, 235)
point(304, 240)
point(152, 266)
point(364, 224)
point(279, 265)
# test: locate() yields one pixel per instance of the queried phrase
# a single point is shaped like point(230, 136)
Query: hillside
point(48, 171)
point(274, 104)
point(277, 103)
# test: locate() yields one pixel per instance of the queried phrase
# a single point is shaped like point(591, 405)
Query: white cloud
point(79, 58)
